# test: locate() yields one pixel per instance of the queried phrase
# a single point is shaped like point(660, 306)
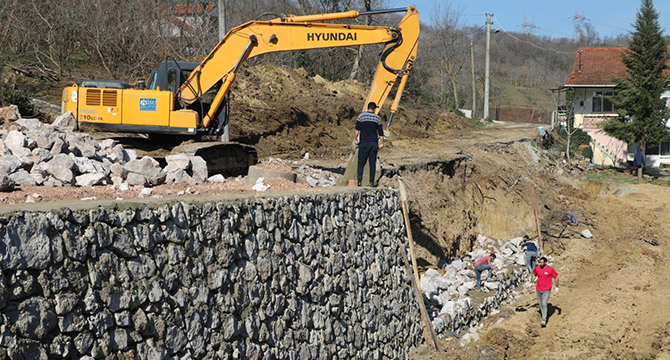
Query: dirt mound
point(284, 112)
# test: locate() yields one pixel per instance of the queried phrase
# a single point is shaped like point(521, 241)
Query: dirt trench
point(485, 191)
point(612, 299)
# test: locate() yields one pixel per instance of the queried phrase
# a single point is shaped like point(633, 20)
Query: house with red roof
point(187, 19)
point(591, 78)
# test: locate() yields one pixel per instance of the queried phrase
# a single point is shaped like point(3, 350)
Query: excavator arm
point(291, 33)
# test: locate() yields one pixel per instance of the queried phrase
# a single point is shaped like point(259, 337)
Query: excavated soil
point(286, 113)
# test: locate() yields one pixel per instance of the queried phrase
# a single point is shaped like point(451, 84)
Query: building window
point(602, 102)
point(665, 148)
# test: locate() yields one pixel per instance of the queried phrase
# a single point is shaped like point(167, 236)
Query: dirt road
point(613, 294)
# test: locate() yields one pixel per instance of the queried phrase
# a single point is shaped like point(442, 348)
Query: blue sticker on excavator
point(147, 104)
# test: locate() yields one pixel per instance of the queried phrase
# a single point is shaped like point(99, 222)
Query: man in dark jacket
point(370, 139)
point(531, 253)
point(638, 160)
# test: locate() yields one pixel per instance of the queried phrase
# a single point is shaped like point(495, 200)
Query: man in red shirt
point(484, 263)
point(543, 275)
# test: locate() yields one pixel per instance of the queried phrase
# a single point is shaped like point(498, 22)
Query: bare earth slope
point(613, 295)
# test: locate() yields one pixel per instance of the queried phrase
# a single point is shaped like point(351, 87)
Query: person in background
point(370, 139)
point(514, 245)
point(531, 253)
point(484, 263)
point(543, 276)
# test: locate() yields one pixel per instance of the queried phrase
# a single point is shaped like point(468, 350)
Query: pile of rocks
point(447, 295)
point(35, 153)
point(315, 177)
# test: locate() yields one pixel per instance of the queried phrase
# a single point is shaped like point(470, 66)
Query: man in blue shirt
point(531, 253)
point(370, 139)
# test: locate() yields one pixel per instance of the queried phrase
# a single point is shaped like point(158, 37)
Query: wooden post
point(537, 223)
point(428, 331)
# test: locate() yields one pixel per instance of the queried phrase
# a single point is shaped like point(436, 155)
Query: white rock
point(312, 181)
point(198, 169)
point(218, 178)
point(260, 185)
point(432, 273)
point(449, 308)
point(146, 192)
point(16, 143)
point(32, 125)
point(107, 144)
point(65, 122)
point(587, 234)
point(464, 303)
point(88, 180)
point(492, 285)
point(89, 198)
point(443, 298)
point(124, 186)
point(177, 162)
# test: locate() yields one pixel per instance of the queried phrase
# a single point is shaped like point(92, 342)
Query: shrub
point(21, 100)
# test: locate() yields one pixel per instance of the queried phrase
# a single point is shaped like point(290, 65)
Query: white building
point(591, 79)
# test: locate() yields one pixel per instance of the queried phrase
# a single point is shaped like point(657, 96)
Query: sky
point(550, 18)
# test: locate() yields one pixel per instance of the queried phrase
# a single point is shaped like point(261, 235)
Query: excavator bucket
point(226, 158)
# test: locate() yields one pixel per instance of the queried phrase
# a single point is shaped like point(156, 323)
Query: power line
point(530, 43)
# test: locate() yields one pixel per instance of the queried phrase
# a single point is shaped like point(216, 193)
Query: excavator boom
point(307, 32)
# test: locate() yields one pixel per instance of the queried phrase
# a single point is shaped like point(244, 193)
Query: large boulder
point(60, 167)
point(83, 165)
point(177, 162)
point(41, 155)
point(82, 144)
point(32, 125)
point(16, 143)
point(148, 167)
point(45, 137)
point(198, 169)
point(65, 122)
point(22, 177)
point(9, 164)
point(135, 179)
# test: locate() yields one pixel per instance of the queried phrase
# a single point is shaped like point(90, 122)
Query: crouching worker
point(484, 263)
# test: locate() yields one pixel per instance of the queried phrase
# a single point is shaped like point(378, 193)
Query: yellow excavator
point(189, 98)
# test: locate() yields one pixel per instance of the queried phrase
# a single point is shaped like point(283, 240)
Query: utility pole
point(222, 32)
point(472, 66)
point(486, 76)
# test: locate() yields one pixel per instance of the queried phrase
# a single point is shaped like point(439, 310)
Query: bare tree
point(7, 11)
point(450, 43)
point(359, 50)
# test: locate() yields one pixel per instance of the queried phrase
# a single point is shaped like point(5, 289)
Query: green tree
point(639, 105)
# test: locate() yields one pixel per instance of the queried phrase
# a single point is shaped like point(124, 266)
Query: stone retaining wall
point(462, 320)
point(287, 277)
